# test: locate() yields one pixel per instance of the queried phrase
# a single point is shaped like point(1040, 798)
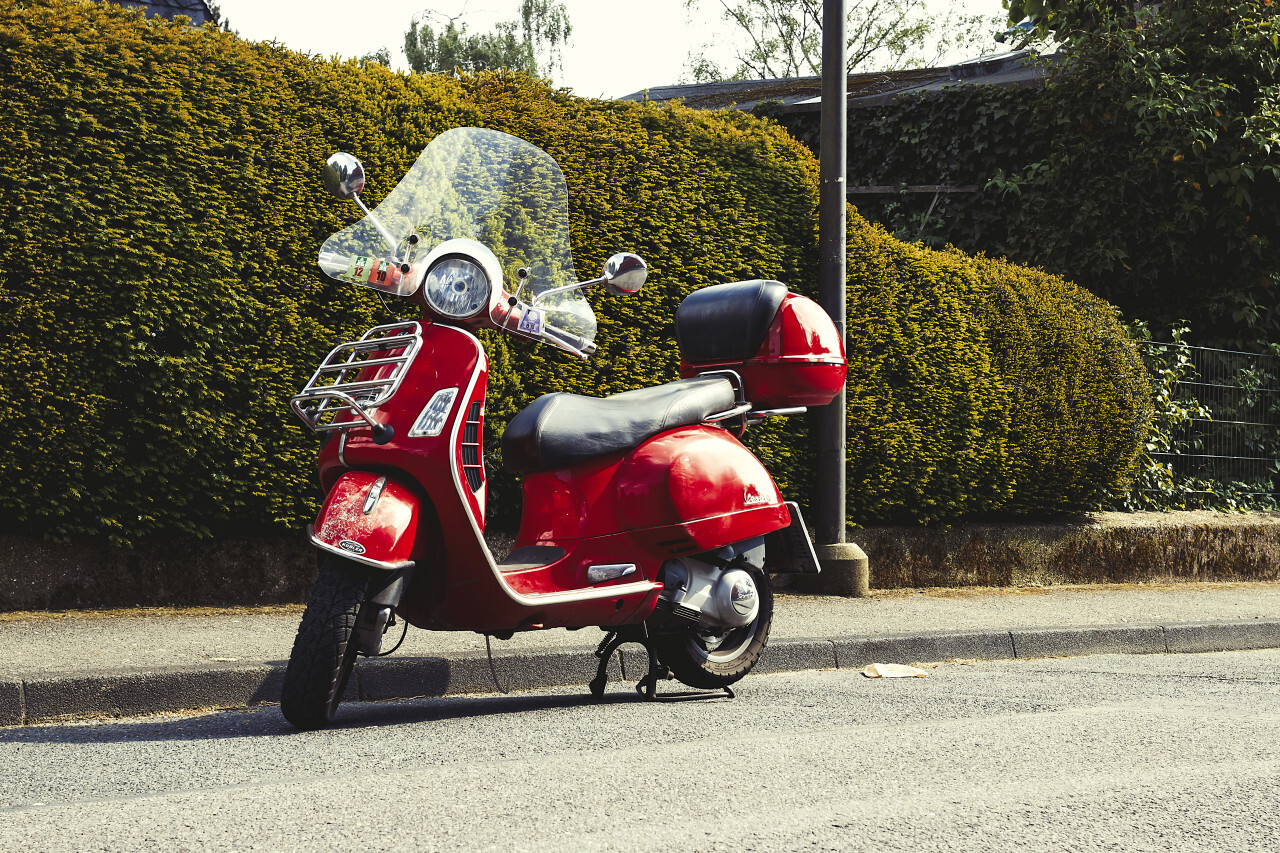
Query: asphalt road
point(1123, 753)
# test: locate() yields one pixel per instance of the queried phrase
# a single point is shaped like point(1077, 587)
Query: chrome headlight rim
point(443, 262)
point(470, 251)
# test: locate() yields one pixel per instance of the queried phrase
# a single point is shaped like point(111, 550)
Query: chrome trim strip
point(375, 492)
point(377, 564)
point(611, 572)
point(570, 596)
point(523, 599)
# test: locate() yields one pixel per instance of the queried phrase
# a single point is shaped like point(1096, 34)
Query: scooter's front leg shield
point(370, 519)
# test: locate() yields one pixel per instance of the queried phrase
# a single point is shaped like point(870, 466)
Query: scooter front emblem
point(351, 547)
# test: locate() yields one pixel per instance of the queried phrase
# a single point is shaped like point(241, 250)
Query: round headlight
point(457, 288)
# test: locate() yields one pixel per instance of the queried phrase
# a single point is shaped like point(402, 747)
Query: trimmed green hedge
point(158, 231)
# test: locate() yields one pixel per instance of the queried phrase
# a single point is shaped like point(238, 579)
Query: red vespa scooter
point(643, 514)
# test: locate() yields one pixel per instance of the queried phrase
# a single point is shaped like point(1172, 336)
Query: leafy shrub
point(1080, 401)
point(159, 226)
point(978, 387)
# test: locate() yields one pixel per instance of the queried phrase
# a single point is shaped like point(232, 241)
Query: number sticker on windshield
point(356, 268)
point(531, 322)
point(362, 270)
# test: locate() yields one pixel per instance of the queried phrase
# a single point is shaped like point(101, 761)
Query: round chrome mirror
point(343, 175)
point(624, 274)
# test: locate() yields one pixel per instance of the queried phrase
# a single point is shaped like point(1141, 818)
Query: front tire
point(707, 660)
point(324, 651)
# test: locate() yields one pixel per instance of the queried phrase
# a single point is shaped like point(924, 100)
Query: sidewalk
point(134, 663)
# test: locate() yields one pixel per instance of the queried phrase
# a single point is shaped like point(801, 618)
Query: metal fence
point(1238, 439)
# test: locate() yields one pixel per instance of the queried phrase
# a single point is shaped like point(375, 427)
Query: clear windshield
point(479, 184)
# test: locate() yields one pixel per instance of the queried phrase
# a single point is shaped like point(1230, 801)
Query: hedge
point(158, 236)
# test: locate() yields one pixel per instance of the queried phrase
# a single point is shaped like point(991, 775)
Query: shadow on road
point(266, 721)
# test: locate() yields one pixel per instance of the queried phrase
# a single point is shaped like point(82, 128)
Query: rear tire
point(324, 651)
point(709, 661)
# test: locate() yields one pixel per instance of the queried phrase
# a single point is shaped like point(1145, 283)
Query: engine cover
point(723, 596)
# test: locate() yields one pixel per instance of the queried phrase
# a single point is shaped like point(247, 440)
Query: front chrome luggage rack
point(337, 398)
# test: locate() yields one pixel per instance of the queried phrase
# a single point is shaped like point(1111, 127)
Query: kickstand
point(609, 645)
point(658, 671)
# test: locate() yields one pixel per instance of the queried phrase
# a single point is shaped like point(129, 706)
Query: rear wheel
point(324, 651)
point(713, 658)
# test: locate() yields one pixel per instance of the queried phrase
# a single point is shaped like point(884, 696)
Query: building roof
point(196, 10)
point(804, 94)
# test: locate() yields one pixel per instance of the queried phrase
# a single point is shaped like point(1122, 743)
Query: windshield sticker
point(362, 270)
point(356, 268)
point(530, 322)
point(378, 272)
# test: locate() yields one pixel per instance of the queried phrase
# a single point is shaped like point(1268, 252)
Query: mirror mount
point(344, 177)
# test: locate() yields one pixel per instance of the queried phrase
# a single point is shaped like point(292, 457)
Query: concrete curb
point(135, 692)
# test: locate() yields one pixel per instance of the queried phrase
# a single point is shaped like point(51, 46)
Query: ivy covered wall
point(1146, 170)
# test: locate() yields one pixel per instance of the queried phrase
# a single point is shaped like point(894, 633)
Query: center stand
point(647, 686)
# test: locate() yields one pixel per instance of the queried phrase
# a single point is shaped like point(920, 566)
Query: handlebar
point(575, 344)
point(524, 320)
point(380, 274)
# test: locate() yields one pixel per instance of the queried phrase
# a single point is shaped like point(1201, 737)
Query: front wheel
point(324, 652)
point(710, 659)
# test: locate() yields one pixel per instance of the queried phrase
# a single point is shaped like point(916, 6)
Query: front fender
point(369, 518)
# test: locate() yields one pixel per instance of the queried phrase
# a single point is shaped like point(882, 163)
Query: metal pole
point(829, 421)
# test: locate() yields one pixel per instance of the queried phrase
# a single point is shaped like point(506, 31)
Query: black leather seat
point(558, 430)
point(727, 322)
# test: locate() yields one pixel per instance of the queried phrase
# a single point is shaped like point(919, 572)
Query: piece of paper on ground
point(893, 670)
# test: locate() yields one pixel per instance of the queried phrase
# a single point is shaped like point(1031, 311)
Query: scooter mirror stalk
point(624, 274)
point(343, 175)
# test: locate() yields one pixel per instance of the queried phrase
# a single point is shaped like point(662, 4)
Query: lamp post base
point(845, 571)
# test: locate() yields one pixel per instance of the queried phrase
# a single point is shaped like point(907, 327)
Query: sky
point(616, 48)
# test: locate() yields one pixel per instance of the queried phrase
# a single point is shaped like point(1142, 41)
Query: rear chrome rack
point(358, 377)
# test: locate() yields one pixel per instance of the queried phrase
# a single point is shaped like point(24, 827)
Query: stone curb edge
point(136, 692)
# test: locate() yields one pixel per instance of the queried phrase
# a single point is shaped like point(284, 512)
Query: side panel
point(369, 518)
point(690, 489)
point(689, 474)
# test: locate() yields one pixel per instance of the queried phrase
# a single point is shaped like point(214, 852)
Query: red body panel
point(385, 534)
point(674, 479)
point(801, 362)
point(456, 584)
point(686, 490)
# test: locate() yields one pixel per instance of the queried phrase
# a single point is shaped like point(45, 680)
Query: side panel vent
point(472, 459)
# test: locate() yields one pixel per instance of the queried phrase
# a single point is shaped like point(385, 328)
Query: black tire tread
point(323, 653)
